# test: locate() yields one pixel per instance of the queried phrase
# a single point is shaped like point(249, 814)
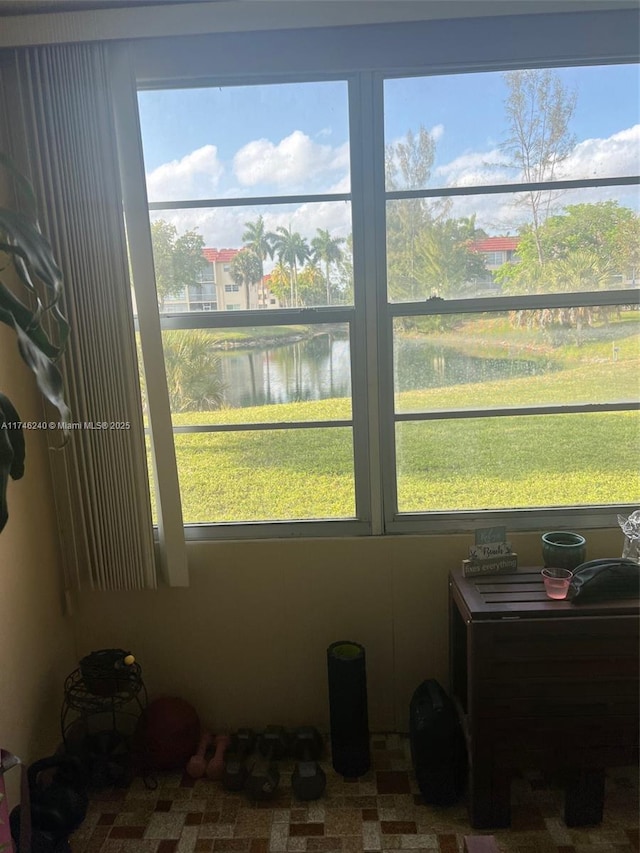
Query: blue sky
point(293, 138)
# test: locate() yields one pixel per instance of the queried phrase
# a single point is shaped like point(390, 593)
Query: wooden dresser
point(541, 684)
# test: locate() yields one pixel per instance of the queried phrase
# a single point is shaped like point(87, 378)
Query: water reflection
point(319, 368)
point(315, 369)
point(419, 365)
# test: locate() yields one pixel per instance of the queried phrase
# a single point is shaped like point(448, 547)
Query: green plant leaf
point(12, 449)
point(47, 374)
point(15, 436)
point(24, 240)
point(22, 184)
point(13, 311)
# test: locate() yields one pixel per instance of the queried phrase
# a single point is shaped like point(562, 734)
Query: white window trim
point(172, 547)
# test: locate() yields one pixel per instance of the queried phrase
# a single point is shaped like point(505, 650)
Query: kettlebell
point(41, 842)
point(58, 806)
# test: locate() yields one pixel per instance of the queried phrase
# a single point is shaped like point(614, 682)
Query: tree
point(539, 110)
point(444, 261)
point(345, 273)
point(580, 269)
point(311, 285)
point(258, 241)
point(246, 269)
point(193, 371)
point(280, 282)
point(292, 249)
point(178, 259)
point(595, 238)
point(627, 248)
point(326, 250)
point(408, 165)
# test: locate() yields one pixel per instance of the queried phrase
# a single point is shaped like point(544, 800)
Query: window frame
point(521, 519)
point(360, 524)
point(215, 60)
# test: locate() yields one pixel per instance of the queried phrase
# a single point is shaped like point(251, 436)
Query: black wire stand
point(98, 723)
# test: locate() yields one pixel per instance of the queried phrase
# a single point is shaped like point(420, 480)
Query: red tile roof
point(495, 244)
point(223, 255)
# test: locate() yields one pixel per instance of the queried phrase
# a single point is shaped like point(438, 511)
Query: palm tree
point(326, 249)
point(193, 371)
point(580, 269)
point(258, 241)
point(291, 249)
point(246, 269)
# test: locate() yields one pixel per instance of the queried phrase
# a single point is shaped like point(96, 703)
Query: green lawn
point(442, 465)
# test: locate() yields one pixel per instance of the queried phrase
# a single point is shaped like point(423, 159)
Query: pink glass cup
point(556, 582)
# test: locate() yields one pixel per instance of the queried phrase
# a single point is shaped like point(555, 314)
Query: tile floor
point(381, 811)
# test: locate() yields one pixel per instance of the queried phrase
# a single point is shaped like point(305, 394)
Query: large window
point(261, 410)
point(517, 397)
point(434, 287)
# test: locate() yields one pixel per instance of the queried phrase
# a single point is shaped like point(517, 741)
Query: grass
point(442, 465)
point(257, 335)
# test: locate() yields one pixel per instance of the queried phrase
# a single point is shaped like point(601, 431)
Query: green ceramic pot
point(563, 550)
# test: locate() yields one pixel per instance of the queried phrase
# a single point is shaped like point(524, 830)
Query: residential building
point(497, 251)
point(230, 296)
point(216, 289)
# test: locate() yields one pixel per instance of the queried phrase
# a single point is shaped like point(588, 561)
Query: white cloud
point(296, 161)
point(334, 217)
point(437, 132)
point(618, 154)
point(474, 168)
point(223, 227)
point(196, 175)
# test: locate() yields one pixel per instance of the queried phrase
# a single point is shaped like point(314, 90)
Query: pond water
point(319, 368)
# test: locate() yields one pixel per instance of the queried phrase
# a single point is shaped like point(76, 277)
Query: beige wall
point(37, 648)
point(246, 642)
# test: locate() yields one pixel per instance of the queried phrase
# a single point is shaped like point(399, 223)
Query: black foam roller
point(346, 664)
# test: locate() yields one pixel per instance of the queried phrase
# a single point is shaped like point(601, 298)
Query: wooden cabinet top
point(521, 594)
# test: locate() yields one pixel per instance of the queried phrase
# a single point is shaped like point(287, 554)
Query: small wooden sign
point(490, 535)
point(497, 549)
point(490, 565)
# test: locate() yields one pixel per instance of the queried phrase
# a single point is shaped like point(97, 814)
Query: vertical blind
point(100, 478)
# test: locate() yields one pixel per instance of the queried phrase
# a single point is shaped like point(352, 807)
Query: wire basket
point(104, 672)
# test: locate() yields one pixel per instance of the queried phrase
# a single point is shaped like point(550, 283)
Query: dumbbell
point(308, 779)
point(264, 777)
point(235, 770)
point(197, 764)
point(216, 766)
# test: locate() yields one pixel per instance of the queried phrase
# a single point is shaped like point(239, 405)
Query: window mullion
point(368, 231)
point(247, 201)
point(261, 426)
point(383, 322)
point(504, 189)
point(251, 319)
point(526, 302)
point(517, 411)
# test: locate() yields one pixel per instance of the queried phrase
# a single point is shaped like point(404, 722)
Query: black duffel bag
point(438, 748)
point(610, 579)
